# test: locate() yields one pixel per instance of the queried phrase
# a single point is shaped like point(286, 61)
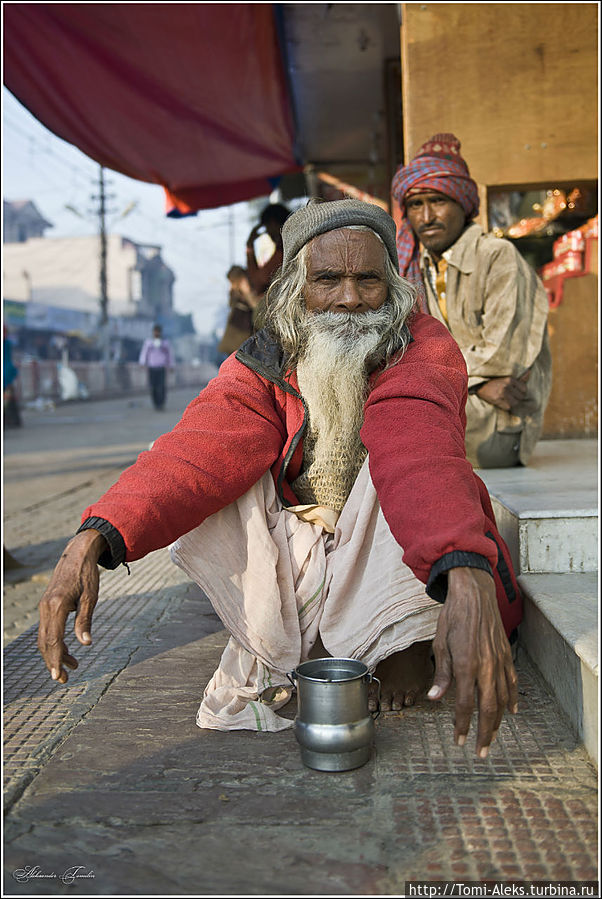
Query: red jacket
point(251, 418)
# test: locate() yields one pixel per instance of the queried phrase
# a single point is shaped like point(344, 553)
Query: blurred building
point(51, 289)
point(22, 220)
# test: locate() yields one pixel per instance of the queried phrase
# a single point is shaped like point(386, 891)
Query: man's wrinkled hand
point(505, 393)
point(72, 588)
point(471, 646)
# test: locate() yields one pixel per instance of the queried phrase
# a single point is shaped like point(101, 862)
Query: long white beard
point(339, 350)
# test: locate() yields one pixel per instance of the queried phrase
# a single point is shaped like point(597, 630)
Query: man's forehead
point(425, 194)
point(332, 246)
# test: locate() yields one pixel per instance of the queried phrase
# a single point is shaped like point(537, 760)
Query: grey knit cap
point(318, 217)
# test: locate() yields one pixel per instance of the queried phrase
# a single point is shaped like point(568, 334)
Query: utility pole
point(100, 213)
point(231, 234)
point(104, 299)
point(102, 198)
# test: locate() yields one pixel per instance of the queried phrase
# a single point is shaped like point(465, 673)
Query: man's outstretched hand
point(73, 588)
point(471, 646)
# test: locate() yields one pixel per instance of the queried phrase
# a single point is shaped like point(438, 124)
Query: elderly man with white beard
point(318, 491)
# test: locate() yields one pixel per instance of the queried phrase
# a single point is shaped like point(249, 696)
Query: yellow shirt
point(436, 274)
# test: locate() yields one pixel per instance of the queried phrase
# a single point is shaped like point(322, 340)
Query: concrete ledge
point(560, 634)
point(548, 544)
point(548, 512)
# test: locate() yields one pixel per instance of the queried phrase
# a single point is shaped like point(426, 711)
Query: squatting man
point(318, 491)
point(490, 299)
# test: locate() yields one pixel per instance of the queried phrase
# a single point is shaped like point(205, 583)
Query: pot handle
point(292, 676)
point(376, 712)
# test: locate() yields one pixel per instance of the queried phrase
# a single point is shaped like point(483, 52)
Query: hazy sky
point(41, 167)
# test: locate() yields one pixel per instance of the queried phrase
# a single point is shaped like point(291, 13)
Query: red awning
point(190, 96)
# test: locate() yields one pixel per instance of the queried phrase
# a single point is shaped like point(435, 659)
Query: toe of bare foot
point(404, 677)
point(396, 700)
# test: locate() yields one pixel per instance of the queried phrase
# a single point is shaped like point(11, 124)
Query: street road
point(54, 466)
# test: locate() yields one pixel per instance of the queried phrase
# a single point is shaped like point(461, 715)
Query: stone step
point(560, 634)
point(547, 512)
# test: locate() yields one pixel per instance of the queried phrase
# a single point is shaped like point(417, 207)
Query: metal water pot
point(333, 726)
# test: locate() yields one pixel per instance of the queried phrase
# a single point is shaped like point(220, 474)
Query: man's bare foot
point(404, 677)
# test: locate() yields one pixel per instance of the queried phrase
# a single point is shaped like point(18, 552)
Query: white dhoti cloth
point(278, 583)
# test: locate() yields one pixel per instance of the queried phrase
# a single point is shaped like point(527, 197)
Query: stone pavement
point(109, 781)
point(54, 466)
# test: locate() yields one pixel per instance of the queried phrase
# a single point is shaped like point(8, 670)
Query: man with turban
point(319, 492)
point(486, 295)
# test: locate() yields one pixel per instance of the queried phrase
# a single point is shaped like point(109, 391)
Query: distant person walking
point(12, 415)
point(157, 356)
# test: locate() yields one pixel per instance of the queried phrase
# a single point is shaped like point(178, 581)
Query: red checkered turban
point(437, 166)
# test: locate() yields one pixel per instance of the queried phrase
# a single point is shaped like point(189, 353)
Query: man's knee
point(496, 451)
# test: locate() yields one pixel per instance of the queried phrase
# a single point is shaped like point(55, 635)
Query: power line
point(37, 143)
point(165, 239)
point(59, 187)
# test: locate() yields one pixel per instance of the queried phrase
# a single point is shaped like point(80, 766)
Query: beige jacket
point(498, 310)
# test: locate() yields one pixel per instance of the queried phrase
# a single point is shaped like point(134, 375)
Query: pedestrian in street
point(10, 372)
point(318, 491)
point(156, 354)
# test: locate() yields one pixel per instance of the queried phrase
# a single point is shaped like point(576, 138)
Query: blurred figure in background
point(271, 221)
point(157, 356)
point(243, 304)
point(12, 415)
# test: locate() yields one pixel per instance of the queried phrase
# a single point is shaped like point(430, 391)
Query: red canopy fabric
point(190, 96)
